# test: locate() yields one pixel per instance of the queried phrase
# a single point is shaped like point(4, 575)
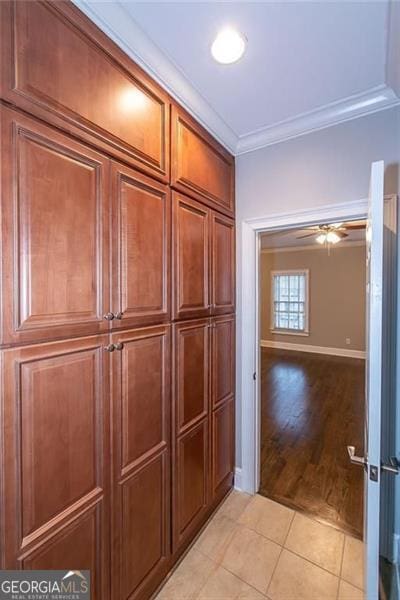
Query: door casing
point(247, 474)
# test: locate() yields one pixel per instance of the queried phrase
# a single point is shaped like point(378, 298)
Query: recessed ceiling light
point(228, 46)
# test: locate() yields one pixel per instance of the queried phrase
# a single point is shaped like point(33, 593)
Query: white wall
point(330, 166)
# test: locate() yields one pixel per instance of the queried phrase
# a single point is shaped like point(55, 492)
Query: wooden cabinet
point(76, 78)
point(222, 359)
point(222, 403)
point(55, 432)
point(117, 294)
point(200, 166)
point(191, 257)
point(203, 260)
point(141, 472)
point(191, 388)
point(223, 430)
point(55, 229)
point(223, 264)
point(141, 248)
point(191, 370)
point(191, 483)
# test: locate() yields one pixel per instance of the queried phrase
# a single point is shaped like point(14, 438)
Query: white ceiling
point(307, 64)
point(290, 239)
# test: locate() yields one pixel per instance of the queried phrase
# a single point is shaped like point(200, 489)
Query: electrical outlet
point(348, 341)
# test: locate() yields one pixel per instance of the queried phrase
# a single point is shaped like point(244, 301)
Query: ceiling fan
point(332, 233)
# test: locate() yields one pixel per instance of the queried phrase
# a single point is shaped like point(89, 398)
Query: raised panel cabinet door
point(222, 359)
point(191, 258)
point(141, 248)
point(223, 264)
point(55, 227)
point(222, 448)
point(76, 78)
point(191, 373)
point(191, 482)
point(141, 449)
point(199, 165)
point(55, 458)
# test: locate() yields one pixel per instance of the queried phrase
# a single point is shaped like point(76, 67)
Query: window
point(290, 301)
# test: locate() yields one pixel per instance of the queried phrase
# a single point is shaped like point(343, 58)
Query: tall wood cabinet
point(117, 325)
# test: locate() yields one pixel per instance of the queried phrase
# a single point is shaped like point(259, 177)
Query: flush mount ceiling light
point(228, 46)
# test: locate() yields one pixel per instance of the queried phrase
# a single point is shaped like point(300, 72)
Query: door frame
point(247, 473)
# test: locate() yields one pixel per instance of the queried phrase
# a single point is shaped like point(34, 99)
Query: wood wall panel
point(191, 373)
point(85, 84)
point(142, 397)
point(191, 482)
point(55, 454)
point(55, 233)
point(141, 473)
point(143, 510)
point(223, 448)
point(191, 257)
point(78, 546)
point(199, 165)
point(223, 264)
point(223, 359)
point(141, 248)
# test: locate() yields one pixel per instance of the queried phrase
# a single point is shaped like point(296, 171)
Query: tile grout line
point(341, 568)
point(290, 550)
point(280, 553)
point(243, 581)
point(219, 563)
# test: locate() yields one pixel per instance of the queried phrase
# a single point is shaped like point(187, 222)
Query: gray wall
point(330, 166)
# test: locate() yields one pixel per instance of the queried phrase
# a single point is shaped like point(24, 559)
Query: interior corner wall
point(326, 167)
point(336, 295)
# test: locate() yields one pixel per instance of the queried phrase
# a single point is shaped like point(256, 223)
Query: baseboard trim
point(313, 349)
point(237, 484)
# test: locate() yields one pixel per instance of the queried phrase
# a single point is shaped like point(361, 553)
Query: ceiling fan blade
point(355, 226)
point(300, 237)
point(341, 234)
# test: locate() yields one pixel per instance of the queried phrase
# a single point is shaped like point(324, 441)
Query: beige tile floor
point(254, 549)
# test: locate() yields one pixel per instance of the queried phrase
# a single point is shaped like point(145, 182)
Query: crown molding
point(115, 21)
point(373, 100)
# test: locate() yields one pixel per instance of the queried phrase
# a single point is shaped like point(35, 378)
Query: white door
point(381, 247)
point(374, 339)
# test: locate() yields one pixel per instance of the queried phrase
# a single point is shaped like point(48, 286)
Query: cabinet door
point(55, 503)
point(222, 448)
point(222, 359)
point(190, 241)
point(77, 79)
point(191, 373)
point(141, 248)
point(55, 223)
point(191, 483)
point(199, 165)
point(191, 431)
point(141, 480)
point(223, 264)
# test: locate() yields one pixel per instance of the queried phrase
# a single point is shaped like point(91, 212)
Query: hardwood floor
point(312, 408)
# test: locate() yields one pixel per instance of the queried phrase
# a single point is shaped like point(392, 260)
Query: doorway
point(312, 296)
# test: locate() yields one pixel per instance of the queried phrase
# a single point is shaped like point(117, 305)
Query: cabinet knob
point(108, 316)
point(118, 315)
point(118, 346)
point(109, 348)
